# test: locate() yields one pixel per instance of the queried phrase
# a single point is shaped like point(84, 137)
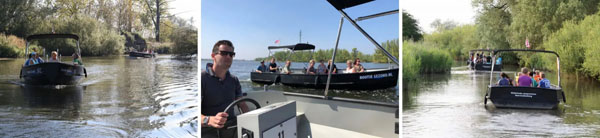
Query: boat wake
point(177, 96)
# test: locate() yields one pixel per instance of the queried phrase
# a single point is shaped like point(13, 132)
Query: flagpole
point(300, 36)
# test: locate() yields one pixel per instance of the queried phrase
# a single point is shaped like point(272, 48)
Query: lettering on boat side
point(376, 76)
point(37, 71)
point(523, 94)
point(67, 71)
point(366, 77)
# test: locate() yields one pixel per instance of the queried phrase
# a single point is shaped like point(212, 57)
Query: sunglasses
point(225, 53)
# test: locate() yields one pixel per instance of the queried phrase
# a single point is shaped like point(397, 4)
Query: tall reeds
point(420, 58)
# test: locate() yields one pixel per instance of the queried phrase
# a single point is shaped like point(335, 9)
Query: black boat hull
point(52, 73)
point(141, 54)
point(265, 78)
point(353, 81)
point(525, 97)
point(485, 67)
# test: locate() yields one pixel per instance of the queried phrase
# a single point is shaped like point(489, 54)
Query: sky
point(186, 9)
point(426, 11)
point(254, 25)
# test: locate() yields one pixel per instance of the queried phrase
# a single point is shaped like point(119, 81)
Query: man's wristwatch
point(205, 121)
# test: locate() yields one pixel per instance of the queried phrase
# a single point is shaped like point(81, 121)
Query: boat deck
point(323, 131)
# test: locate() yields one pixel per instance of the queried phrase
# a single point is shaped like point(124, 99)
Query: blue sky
point(254, 25)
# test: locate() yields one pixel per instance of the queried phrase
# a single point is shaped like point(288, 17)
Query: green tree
point(493, 20)
point(442, 26)
point(458, 41)
point(569, 42)
point(410, 28)
point(155, 10)
point(184, 37)
point(391, 46)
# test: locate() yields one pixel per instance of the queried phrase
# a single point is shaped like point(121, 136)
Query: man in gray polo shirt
point(218, 89)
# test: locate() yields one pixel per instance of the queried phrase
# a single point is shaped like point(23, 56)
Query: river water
point(242, 69)
point(451, 105)
point(121, 97)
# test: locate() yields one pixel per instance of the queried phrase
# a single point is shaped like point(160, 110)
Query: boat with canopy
point(52, 73)
point(480, 62)
point(523, 96)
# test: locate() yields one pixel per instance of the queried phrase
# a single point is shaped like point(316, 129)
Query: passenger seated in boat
point(349, 67)
point(273, 65)
point(30, 60)
point(286, 68)
point(504, 80)
point(499, 61)
point(537, 76)
point(322, 69)
point(76, 59)
point(517, 78)
point(533, 82)
point(54, 57)
point(261, 68)
point(311, 68)
point(544, 83)
point(334, 69)
point(524, 79)
point(38, 59)
point(357, 66)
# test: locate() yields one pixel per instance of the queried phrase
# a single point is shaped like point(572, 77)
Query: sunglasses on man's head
point(225, 53)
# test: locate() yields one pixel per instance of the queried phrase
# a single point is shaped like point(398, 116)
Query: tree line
point(342, 55)
point(99, 24)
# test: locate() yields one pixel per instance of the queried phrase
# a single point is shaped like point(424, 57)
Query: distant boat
point(523, 96)
point(482, 66)
point(368, 80)
point(141, 54)
point(52, 73)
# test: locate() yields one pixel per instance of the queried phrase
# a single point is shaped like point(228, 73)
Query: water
point(121, 97)
point(242, 69)
point(451, 105)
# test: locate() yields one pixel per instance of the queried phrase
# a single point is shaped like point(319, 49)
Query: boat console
point(275, 120)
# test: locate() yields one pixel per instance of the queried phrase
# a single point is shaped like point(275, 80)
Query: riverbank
point(421, 58)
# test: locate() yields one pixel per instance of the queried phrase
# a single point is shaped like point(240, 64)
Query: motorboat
point(141, 54)
point(485, 64)
point(522, 96)
point(52, 73)
point(370, 79)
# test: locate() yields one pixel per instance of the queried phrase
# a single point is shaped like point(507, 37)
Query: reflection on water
point(242, 70)
point(122, 97)
point(451, 105)
point(49, 97)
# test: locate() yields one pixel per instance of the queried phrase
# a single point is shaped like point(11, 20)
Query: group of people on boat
point(352, 67)
point(272, 66)
point(321, 69)
point(525, 78)
point(480, 58)
point(34, 58)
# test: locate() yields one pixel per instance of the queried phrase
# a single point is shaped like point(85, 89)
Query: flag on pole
point(276, 41)
point(527, 43)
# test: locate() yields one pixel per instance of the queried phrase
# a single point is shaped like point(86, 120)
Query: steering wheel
point(242, 100)
point(234, 121)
